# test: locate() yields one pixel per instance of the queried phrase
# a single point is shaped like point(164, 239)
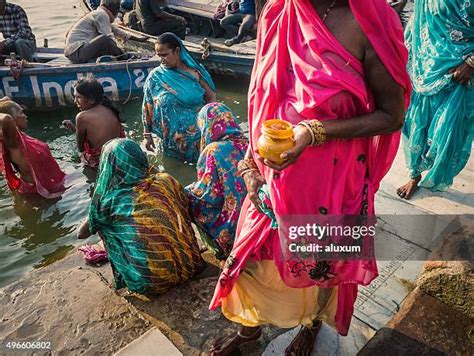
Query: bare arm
point(9, 131)
point(81, 132)
point(388, 115)
point(389, 104)
point(209, 95)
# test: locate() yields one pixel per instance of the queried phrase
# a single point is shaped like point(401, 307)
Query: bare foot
point(227, 344)
point(303, 343)
point(407, 190)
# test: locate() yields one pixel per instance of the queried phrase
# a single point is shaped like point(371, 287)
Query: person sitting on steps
point(246, 17)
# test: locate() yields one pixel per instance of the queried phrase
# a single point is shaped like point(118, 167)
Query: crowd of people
point(342, 73)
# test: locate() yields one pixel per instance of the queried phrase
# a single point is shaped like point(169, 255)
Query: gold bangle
point(305, 123)
point(469, 61)
point(319, 132)
point(245, 171)
point(246, 164)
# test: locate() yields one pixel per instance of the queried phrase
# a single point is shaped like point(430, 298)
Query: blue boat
point(48, 83)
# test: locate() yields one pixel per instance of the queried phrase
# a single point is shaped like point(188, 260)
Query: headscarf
point(189, 92)
point(217, 123)
point(123, 165)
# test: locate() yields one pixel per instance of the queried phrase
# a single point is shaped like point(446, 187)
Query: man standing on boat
point(16, 31)
point(95, 35)
point(154, 20)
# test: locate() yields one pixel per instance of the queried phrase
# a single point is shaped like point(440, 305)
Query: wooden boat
point(235, 61)
point(48, 83)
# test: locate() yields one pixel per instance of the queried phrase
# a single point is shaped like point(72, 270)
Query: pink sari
point(302, 72)
point(47, 176)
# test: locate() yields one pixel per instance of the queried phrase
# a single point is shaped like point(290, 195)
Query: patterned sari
point(143, 220)
point(303, 72)
point(172, 99)
point(438, 129)
point(217, 196)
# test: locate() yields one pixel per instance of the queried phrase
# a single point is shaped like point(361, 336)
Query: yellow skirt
point(261, 297)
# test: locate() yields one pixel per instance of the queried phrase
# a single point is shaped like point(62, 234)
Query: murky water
point(35, 232)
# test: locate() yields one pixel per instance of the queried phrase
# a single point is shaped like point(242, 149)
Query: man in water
point(97, 123)
point(16, 31)
point(154, 20)
point(94, 35)
point(26, 162)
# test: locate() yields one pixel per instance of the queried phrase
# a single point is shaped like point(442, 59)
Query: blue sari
point(172, 99)
point(216, 197)
point(438, 128)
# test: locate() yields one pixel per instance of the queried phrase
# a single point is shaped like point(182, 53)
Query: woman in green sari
point(438, 129)
point(143, 219)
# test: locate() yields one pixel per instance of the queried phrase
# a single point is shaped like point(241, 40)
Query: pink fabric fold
point(47, 175)
point(302, 72)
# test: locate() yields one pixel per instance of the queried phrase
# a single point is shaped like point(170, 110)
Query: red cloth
point(91, 156)
point(47, 176)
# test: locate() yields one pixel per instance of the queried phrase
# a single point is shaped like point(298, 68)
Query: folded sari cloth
point(439, 125)
point(217, 195)
point(143, 220)
point(172, 98)
point(48, 178)
point(91, 156)
point(303, 72)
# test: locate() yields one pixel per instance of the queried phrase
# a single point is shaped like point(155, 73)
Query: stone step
point(151, 343)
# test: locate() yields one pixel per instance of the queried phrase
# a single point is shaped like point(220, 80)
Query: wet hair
point(112, 5)
point(8, 107)
point(92, 90)
point(169, 39)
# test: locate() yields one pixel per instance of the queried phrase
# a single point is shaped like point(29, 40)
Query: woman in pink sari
point(336, 70)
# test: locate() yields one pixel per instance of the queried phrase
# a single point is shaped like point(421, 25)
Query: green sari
point(143, 220)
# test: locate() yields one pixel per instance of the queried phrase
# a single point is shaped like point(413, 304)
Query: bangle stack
point(317, 131)
point(246, 165)
point(469, 60)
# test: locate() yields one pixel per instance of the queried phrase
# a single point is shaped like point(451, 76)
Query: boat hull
point(53, 87)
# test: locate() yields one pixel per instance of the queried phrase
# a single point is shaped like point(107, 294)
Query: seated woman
point(215, 199)
point(143, 219)
point(97, 123)
point(173, 95)
point(26, 162)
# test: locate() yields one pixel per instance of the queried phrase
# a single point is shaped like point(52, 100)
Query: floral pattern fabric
point(438, 128)
point(216, 197)
point(172, 98)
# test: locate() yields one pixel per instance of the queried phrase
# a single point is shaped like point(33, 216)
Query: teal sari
point(172, 99)
point(438, 129)
point(143, 219)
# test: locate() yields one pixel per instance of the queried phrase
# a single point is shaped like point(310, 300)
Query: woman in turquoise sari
point(438, 129)
point(173, 94)
point(216, 197)
point(144, 221)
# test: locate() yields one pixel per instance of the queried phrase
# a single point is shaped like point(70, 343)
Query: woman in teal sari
point(173, 95)
point(143, 219)
point(438, 129)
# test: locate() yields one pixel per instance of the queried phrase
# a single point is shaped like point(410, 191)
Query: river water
point(35, 232)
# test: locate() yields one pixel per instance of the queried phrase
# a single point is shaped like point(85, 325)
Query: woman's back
point(101, 125)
